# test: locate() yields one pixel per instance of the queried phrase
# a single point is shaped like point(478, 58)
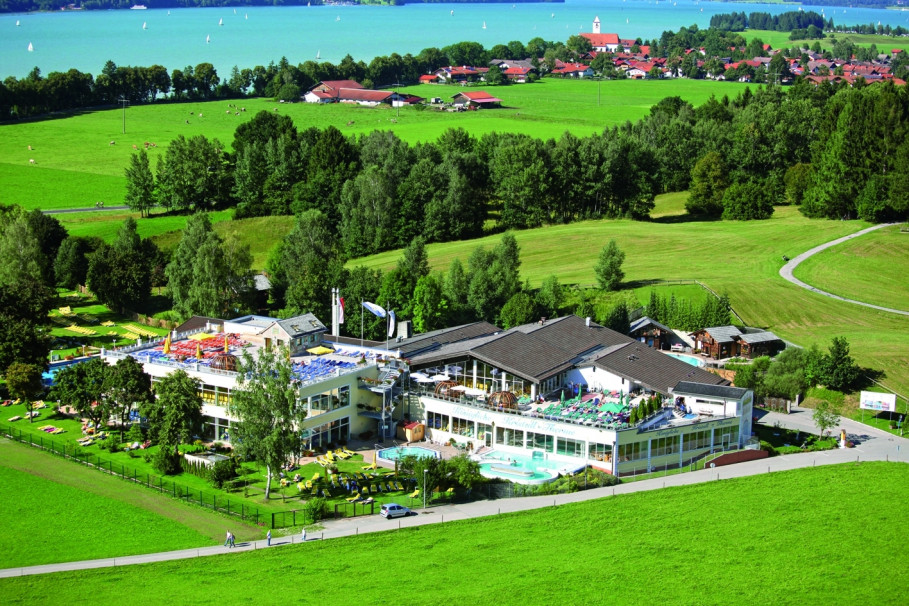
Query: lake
point(252, 36)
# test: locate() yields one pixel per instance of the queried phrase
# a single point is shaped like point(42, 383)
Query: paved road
point(786, 270)
point(61, 211)
point(871, 445)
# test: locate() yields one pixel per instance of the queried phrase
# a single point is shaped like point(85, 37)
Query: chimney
point(587, 322)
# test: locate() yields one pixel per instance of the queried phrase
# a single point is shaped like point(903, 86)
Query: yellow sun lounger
point(354, 497)
point(315, 477)
point(414, 494)
point(349, 453)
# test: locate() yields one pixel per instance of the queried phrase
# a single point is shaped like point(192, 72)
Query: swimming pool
point(393, 454)
point(686, 359)
point(521, 469)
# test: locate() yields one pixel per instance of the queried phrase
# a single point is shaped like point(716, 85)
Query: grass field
point(55, 511)
point(75, 165)
point(761, 540)
point(281, 499)
point(740, 258)
point(781, 40)
point(872, 268)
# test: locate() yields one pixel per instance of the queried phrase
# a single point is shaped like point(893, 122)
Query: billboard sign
point(872, 400)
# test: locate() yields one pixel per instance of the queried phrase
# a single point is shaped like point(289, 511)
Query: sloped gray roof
point(644, 322)
point(723, 334)
point(434, 340)
point(763, 336)
point(714, 391)
point(302, 325)
point(657, 371)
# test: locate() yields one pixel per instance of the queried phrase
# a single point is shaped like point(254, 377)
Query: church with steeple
point(602, 42)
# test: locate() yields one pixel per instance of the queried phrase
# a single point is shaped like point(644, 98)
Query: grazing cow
point(134, 146)
point(29, 148)
point(187, 121)
point(31, 161)
point(200, 114)
point(350, 123)
point(112, 143)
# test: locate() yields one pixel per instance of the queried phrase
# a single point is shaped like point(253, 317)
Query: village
point(613, 57)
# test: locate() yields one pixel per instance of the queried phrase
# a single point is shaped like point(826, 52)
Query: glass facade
point(540, 441)
point(327, 401)
point(571, 448)
point(462, 427)
point(337, 432)
point(509, 437)
point(664, 446)
point(436, 420)
point(697, 440)
point(599, 452)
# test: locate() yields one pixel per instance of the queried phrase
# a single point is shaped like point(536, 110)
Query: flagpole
point(361, 322)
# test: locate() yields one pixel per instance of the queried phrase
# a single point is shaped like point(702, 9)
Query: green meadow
point(76, 165)
point(760, 540)
point(781, 40)
point(53, 511)
point(742, 259)
point(872, 268)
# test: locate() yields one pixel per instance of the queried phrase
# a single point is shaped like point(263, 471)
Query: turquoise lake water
point(252, 36)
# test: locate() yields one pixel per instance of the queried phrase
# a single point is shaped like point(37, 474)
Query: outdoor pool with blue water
point(687, 359)
point(393, 454)
point(520, 469)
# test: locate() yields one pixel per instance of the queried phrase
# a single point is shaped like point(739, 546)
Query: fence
point(168, 487)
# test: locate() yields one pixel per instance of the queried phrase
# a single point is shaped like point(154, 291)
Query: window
point(632, 452)
point(664, 446)
point(697, 440)
point(332, 399)
point(600, 452)
point(462, 427)
point(509, 437)
point(571, 448)
point(540, 441)
point(337, 432)
point(482, 430)
point(436, 420)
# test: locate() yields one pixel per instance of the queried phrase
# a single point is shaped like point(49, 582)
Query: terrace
point(201, 352)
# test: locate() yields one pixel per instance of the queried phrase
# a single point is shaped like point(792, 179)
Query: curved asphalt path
point(871, 445)
point(786, 270)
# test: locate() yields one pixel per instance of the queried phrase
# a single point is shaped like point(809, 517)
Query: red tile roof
point(361, 94)
point(479, 96)
point(336, 85)
point(600, 40)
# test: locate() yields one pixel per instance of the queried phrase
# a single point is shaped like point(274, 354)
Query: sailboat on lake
point(30, 47)
point(144, 25)
point(220, 21)
point(484, 25)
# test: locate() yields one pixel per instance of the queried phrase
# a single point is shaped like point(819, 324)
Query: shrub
point(111, 444)
point(222, 472)
point(165, 461)
point(135, 434)
point(316, 508)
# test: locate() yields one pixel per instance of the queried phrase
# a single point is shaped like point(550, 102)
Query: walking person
point(227, 539)
point(232, 540)
point(304, 535)
point(268, 538)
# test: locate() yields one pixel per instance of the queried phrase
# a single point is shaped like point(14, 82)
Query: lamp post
point(425, 471)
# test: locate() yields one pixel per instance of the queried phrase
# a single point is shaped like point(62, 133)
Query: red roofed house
point(429, 79)
point(574, 70)
point(476, 99)
point(327, 90)
point(362, 96)
point(518, 74)
point(602, 42)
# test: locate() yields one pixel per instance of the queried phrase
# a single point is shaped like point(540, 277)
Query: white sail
point(318, 55)
point(220, 21)
point(484, 25)
point(30, 47)
point(144, 25)
point(17, 23)
point(207, 39)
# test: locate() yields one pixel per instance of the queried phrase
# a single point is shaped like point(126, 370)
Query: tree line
point(784, 22)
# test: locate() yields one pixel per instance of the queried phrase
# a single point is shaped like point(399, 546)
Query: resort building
point(347, 390)
point(563, 391)
point(566, 393)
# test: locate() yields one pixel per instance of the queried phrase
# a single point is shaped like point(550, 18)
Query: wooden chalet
point(729, 342)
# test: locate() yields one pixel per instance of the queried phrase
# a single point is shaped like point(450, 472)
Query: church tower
point(596, 25)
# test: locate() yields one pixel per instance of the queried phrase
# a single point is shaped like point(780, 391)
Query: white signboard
point(872, 400)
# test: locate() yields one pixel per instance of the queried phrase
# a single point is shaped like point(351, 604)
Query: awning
point(320, 350)
point(419, 377)
point(613, 408)
point(200, 336)
point(440, 378)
